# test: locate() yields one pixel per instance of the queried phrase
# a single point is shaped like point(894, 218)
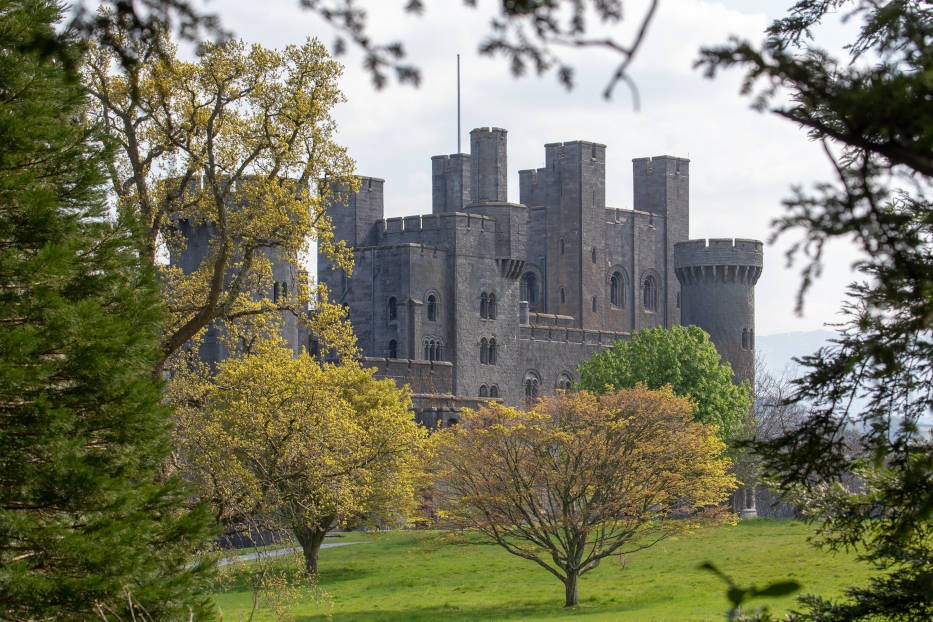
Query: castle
point(485, 299)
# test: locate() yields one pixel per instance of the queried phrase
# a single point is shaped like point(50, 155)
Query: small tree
point(582, 476)
point(682, 357)
point(294, 444)
point(84, 517)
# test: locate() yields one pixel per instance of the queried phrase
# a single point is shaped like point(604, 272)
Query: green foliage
point(84, 518)
point(872, 112)
point(682, 357)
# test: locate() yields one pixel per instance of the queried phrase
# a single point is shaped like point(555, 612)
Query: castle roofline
point(568, 143)
point(658, 157)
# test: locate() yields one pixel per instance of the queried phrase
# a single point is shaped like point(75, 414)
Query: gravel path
point(276, 552)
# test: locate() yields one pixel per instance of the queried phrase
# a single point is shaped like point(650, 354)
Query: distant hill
point(778, 351)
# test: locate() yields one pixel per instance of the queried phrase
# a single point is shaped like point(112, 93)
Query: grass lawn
point(431, 575)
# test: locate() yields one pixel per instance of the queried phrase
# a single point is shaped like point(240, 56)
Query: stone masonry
point(485, 299)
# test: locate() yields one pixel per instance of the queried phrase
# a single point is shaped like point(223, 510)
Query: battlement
point(718, 251)
point(560, 334)
point(437, 222)
point(423, 377)
point(718, 260)
point(660, 164)
point(573, 149)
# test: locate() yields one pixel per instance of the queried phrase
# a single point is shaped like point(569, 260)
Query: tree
point(872, 114)
point(682, 357)
point(296, 444)
point(83, 513)
point(582, 476)
point(234, 144)
point(529, 33)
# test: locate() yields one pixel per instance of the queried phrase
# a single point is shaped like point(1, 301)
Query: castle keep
point(484, 298)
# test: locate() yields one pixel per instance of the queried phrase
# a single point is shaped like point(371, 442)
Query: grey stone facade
point(485, 298)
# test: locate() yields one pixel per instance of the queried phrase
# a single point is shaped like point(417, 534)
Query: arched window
point(432, 308)
point(562, 246)
point(593, 254)
point(393, 349)
point(284, 290)
point(564, 382)
point(393, 309)
point(493, 390)
point(531, 387)
point(562, 297)
point(650, 294)
point(483, 391)
point(275, 292)
point(745, 339)
point(433, 351)
point(616, 293)
point(595, 304)
point(491, 307)
point(427, 351)
point(483, 305)
point(483, 351)
point(492, 351)
point(529, 290)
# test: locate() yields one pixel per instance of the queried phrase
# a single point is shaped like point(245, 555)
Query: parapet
point(718, 251)
point(719, 259)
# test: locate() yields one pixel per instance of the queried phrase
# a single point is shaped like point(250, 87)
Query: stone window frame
point(393, 349)
point(432, 308)
point(532, 273)
point(650, 292)
point(487, 305)
point(531, 382)
point(564, 381)
point(392, 308)
point(433, 349)
point(488, 351)
point(563, 297)
point(494, 390)
point(483, 390)
point(617, 292)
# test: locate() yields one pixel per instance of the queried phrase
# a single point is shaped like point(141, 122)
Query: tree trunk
point(570, 589)
point(310, 541)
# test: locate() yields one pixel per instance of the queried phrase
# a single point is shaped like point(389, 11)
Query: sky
point(742, 162)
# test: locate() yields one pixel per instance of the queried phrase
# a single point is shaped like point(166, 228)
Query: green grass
point(419, 575)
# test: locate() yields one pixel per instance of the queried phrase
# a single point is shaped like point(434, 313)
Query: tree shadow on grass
point(536, 611)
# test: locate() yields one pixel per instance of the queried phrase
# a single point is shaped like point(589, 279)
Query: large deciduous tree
point(582, 476)
point(234, 144)
point(873, 114)
point(682, 357)
point(84, 517)
point(291, 443)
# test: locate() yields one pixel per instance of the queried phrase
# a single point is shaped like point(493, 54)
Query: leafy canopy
point(872, 112)
point(291, 443)
point(682, 357)
point(582, 476)
point(234, 147)
point(84, 517)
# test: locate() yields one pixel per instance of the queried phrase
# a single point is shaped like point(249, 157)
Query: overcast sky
point(742, 162)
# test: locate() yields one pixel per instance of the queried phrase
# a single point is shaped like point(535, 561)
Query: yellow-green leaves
point(234, 144)
point(298, 443)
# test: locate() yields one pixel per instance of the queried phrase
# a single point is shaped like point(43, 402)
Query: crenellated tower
point(717, 280)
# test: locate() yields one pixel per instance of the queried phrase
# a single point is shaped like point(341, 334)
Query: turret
point(489, 164)
point(717, 281)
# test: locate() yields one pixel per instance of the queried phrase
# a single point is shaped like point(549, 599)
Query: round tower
point(717, 293)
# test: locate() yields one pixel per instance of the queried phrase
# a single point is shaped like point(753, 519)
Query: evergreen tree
point(84, 518)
